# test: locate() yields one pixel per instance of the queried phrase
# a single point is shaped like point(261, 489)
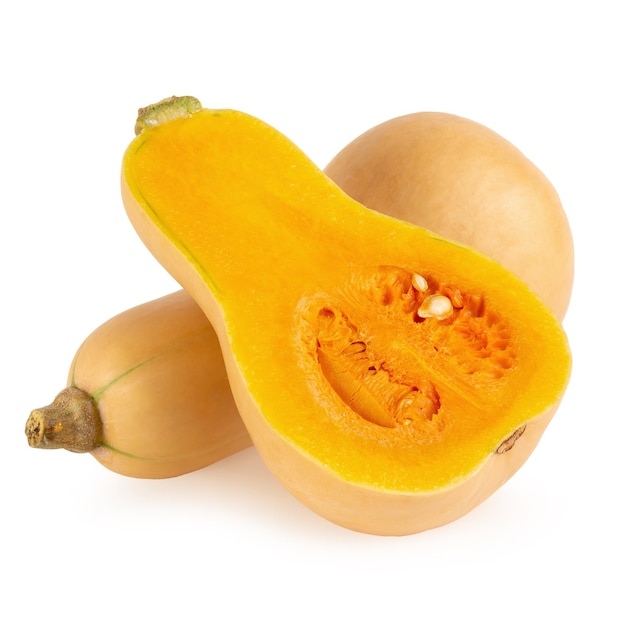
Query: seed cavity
point(363, 380)
point(389, 340)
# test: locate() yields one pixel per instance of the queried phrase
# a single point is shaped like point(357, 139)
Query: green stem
point(166, 110)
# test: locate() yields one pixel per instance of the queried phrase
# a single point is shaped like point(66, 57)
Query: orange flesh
point(315, 296)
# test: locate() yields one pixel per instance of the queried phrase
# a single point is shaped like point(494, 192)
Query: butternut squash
point(147, 395)
point(403, 146)
point(466, 183)
point(389, 378)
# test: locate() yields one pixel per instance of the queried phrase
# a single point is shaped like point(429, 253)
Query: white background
point(227, 545)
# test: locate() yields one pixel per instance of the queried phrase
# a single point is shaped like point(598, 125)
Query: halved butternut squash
point(389, 378)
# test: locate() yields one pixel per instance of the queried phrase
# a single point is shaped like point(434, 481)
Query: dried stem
point(72, 422)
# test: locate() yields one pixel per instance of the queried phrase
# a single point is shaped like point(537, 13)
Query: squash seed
point(437, 306)
point(419, 282)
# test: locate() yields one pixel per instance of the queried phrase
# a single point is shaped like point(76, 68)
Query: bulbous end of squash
point(71, 422)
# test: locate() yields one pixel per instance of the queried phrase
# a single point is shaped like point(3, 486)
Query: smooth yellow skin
point(302, 235)
point(465, 182)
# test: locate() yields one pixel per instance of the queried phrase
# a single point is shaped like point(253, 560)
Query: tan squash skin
point(253, 326)
point(384, 513)
point(464, 182)
point(160, 387)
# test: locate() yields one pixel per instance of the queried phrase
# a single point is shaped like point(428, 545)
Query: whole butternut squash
point(147, 395)
point(390, 379)
point(465, 182)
